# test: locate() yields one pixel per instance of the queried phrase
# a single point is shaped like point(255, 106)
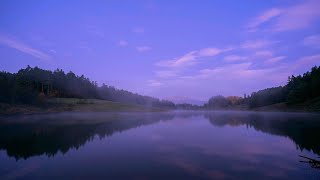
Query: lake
point(164, 145)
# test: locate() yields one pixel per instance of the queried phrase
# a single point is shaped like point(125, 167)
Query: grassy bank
point(73, 104)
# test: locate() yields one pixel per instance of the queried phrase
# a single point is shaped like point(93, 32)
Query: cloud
point(155, 83)
point(138, 30)
point(241, 75)
point(232, 58)
point(264, 53)
point(247, 71)
point(122, 43)
point(143, 48)
point(191, 57)
point(264, 17)
point(186, 59)
point(291, 18)
point(307, 62)
point(298, 16)
point(222, 71)
point(15, 44)
point(275, 59)
point(312, 41)
point(209, 52)
point(257, 44)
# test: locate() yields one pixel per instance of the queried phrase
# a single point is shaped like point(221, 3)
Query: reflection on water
point(302, 129)
point(180, 145)
point(23, 137)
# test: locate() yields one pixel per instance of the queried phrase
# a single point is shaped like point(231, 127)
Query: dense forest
point(298, 90)
point(34, 86)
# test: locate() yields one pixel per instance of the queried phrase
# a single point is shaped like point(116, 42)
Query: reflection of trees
point(27, 136)
point(303, 129)
point(48, 135)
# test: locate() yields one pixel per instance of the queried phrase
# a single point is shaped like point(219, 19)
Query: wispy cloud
point(312, 41)
point(307, 62)
point(257, 44)
point(191, 57)
point(247, 71)
point(222, 71)
point(264, 17)
point(290, 18)
point(143, 48)
point(264, 53)
point(275, 59)
point(122, 43)
point(22, 47)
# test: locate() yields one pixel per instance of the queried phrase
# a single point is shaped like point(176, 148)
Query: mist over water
point(176, 145)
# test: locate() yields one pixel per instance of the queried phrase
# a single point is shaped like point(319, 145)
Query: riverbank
point(74, 105)
point(95, 105)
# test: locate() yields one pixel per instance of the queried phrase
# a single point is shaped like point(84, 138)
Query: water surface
point(175, 145)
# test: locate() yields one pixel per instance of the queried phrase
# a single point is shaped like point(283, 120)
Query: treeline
point(112, 94)
point(34, 85)
point(300, 89)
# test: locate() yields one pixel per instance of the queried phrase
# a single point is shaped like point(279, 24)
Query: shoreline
point(11, 110)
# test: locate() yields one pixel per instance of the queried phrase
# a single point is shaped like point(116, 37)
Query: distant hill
point(185, 100)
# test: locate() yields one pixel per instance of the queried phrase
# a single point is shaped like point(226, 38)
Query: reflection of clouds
point(184, 164)
point(225, 152)
point(156, 137)
point(193, 168)
point(214, 174)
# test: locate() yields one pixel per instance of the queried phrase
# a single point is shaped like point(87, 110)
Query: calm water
point(177, 145)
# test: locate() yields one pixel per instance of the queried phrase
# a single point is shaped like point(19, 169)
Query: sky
point(195, 49)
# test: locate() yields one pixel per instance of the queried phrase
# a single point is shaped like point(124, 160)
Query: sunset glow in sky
point(165, 48)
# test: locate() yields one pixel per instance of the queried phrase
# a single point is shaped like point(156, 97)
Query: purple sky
point(165, 48)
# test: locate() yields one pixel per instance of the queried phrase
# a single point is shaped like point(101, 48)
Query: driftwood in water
point(313, 162)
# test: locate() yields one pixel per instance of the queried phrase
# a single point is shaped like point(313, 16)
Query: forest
point(302, 90)
point(34, 86)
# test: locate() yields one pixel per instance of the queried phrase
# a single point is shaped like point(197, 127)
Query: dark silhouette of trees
point(31, 85)
point(112, 94)
point(218, 102)
point(298, 90)
point(34, 85)
point(267, 97)
point(305, 87)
